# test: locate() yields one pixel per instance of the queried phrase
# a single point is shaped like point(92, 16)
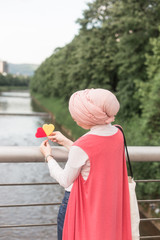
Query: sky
point(30, 30)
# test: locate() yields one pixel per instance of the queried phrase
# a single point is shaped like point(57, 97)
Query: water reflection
point(15, 102)
point(19, 130)
point(16, 131)
point(22, 94)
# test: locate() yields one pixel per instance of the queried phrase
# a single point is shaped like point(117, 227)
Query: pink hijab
point(93, 106)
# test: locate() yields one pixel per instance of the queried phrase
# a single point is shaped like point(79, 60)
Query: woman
point(98, 206)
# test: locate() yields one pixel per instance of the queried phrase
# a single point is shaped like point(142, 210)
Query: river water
point(20, 131)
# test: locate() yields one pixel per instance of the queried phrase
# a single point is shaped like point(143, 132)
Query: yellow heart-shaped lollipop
point(48, 128)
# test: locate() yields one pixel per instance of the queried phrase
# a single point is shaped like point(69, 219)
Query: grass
point(61, 114)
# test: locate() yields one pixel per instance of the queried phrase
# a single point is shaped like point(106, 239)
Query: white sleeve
point(65, 177)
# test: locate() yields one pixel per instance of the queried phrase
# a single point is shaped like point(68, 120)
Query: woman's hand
point(45, 148)
point(59, 138)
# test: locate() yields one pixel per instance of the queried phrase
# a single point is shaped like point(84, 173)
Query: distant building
point(3, 67)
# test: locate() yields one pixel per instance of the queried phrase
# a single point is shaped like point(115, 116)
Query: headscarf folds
point(93, 106)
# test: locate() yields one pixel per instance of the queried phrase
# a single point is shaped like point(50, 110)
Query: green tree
point(150, 94)
point(11, 80)
point(109, 52)
point(130, 24)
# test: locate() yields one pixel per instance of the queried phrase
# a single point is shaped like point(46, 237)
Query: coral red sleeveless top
point(99, 208)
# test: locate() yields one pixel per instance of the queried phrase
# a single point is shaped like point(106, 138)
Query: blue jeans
point(61, 215)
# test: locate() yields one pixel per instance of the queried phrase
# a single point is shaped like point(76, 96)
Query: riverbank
point(60, 113)
point(12, 88)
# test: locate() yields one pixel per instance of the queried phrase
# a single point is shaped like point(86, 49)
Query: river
point(20, 131)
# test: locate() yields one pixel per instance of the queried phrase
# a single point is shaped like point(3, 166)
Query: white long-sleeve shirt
point(78, 161)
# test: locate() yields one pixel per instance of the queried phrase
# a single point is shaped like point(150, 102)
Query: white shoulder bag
point(135, 218)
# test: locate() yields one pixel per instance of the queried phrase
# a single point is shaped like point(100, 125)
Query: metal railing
point(32, 154)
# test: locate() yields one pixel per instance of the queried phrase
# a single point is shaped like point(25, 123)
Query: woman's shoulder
point(82, 140)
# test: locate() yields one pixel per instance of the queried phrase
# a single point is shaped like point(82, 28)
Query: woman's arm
point(59, 138)
point(76, 159)
point(65, 177)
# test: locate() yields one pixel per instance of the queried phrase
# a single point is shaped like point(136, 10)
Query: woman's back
point(99, 207)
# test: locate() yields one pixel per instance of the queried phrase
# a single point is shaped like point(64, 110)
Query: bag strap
point(125, 144)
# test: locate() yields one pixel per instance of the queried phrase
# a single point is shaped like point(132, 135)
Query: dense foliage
point(11, 80)
point(110, 52)
point(117, 48)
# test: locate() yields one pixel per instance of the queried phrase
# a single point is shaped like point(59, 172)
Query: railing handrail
point(22, 154)
point(33, 154)
point(10, 154)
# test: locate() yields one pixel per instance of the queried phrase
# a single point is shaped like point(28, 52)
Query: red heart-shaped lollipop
point(40, 133)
